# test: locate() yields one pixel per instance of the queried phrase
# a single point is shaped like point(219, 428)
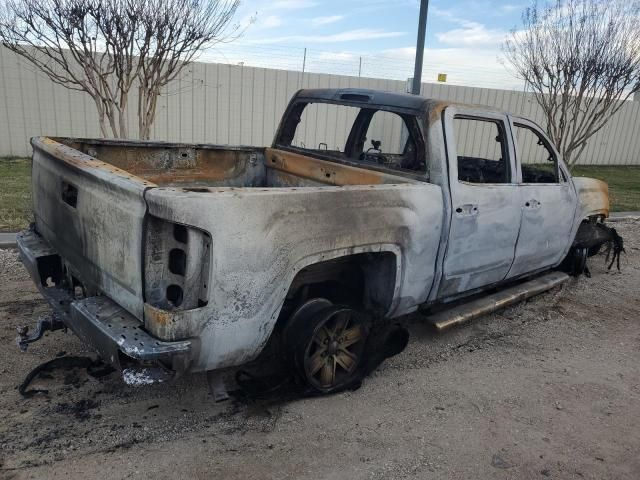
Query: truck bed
point(191, 239)
point(202, 166)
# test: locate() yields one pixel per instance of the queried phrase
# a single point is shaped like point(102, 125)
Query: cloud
point(472, 34)
point(263, 13)
point(271, 21)
point(475, 8)
point(341, 56)
point(443, 13)
point(346, 36)
point(326, 20)
point(469, 32)
point(292, 4)
point(402, 53)
point(368, 6)
point(508, 8)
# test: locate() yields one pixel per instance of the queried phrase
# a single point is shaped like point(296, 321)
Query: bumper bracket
point(117, 335)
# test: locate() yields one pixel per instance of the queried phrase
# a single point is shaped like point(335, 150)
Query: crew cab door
point(547, 198)
point(485, 200)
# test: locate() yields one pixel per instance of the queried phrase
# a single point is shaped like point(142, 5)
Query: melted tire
point(575, 263)
point(326, 344)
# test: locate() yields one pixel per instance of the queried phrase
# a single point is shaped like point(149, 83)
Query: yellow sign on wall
point(442, 77)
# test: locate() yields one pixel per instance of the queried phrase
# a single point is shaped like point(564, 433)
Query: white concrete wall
point(229, 104)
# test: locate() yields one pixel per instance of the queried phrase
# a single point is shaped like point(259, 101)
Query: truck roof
point(361, 96)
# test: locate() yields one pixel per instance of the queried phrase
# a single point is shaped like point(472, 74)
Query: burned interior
point(379, 136)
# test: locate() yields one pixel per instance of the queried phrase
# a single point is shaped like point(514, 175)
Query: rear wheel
point(327, 344)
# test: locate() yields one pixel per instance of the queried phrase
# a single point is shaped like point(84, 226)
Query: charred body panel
point(203, 249)
point(593, 197)
point(92, 214)
point(271, 235)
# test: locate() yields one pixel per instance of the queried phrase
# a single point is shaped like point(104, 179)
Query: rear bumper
point(113, 332)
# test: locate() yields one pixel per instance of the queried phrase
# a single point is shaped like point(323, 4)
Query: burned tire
point(575, 262)
point(326, 344)
point(594, 250)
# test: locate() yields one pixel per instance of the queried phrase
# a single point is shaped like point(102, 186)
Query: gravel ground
point(546, 389)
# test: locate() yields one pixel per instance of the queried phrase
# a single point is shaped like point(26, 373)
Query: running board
point(468, 311)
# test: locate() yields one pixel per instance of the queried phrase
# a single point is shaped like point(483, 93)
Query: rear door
point(547, 198)
point(485, 200)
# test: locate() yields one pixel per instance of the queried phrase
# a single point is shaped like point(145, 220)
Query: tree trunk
point(101, 116)
point(147, 112)
point(122, 122)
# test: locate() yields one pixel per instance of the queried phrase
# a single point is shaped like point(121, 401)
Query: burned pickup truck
point(177, 258)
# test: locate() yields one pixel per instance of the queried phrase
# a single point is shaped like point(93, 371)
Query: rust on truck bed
point(304, 166)
point(170, 164)
point(82, 160)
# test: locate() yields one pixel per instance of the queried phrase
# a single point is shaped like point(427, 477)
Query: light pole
point(422, 30)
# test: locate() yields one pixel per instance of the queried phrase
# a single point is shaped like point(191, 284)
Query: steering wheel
point(376, 157)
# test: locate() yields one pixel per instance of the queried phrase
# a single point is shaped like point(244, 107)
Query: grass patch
point(15, 194)
point(624, 184)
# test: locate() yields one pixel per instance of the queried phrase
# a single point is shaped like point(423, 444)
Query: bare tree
point(179, 30)
point(581, 59)
point(106, 47)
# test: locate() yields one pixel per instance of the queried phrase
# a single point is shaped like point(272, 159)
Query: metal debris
point(49, 322)
point(95, 368)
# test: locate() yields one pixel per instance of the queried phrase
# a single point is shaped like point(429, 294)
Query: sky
point(377, 38)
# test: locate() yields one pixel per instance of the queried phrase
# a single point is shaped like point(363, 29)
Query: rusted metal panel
point(330, 173)
point(176, 164)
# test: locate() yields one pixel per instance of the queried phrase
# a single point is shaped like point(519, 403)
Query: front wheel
point(327, 344)
point(575, 262)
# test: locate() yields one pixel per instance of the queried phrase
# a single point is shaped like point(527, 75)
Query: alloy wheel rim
point(335, 350)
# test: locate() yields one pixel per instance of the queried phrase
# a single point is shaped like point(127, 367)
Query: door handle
point(467, 210)
point(533, 203)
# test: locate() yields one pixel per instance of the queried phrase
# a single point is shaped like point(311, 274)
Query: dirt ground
point(550, 388)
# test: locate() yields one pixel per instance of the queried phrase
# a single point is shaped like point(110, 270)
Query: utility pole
point(360, 68)
point(304, 64)
point(422, 30)
point(304, 60)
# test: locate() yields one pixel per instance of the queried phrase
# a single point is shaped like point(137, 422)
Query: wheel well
point(365, 279)
point(591, 233)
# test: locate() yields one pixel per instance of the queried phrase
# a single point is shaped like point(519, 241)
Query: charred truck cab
point(173, 258)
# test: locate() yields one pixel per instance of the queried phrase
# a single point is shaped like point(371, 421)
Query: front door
point(547, 198)
point(485, 208)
